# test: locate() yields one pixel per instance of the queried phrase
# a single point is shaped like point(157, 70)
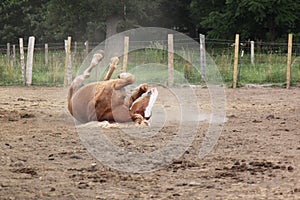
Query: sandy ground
point(257, 155)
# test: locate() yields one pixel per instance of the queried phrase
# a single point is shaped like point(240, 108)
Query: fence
point(48, 63)
point(269, 65)
point(256, 62)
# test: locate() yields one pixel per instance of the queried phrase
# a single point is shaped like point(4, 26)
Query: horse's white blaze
point(153, 97)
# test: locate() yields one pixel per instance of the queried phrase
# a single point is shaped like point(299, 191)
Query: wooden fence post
point(70, 68)
point(236, 60)
point(252, 52)
point(289, 59)
point(29, 60)
point(202, 57)
point(46, 55)
point(75, 47)
point(8, 54)
point(14, 58)
point(126, 48)
point(67, 66)
point(170, 60)
point(86, 48)
point(270, 71)
point(187, 65)
point(22, 60)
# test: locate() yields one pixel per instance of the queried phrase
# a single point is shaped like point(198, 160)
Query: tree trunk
point(272, 30)
point(112, 24)
point(111, 29)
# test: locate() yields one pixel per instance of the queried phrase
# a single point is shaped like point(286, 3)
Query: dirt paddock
point(257, 155)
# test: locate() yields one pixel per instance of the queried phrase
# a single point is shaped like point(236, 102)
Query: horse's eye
point(149, 93)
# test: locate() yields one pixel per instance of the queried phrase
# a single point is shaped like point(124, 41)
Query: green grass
point(150, 65)
point(42, 74)
point(267, 68)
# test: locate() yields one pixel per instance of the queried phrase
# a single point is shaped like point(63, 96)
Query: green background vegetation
point(268, 68)
point(267, 22)
point(94, 20)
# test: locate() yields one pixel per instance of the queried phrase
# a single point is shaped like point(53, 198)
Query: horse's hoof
point(124, 75)
point(143, 123)
point(144, 87)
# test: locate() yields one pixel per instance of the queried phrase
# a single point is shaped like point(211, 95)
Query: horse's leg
point(141, 89)
point(116, 98)
point(114, 61)
point(120, 112)
point(139, 120)
point(78, 81)
point(124, 80)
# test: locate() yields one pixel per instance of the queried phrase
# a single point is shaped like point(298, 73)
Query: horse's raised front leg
point(125, 79)
point(114, 61)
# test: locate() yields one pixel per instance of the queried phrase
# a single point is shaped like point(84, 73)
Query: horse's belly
point(80, 104)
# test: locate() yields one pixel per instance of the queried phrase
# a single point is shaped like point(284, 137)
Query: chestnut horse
point(107, 100)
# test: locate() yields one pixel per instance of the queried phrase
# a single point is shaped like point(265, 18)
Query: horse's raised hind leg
point(77, 83)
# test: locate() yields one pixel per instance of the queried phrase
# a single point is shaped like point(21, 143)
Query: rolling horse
point(108, 100)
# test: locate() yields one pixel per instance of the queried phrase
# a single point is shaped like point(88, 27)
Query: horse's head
point(144, 104)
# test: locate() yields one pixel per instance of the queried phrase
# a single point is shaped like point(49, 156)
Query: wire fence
point(268, 67)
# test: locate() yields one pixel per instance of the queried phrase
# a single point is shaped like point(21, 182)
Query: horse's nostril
point(149, 93)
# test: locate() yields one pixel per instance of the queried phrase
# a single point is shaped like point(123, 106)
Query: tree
point(94, 19)
point(271, 18)
point(83, 18)
point(199, 11)
point(174, 14)
point(21, 18)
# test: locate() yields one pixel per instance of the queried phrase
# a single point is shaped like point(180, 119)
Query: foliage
point(273, 19)
point(21, 18)
point(94, 20)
